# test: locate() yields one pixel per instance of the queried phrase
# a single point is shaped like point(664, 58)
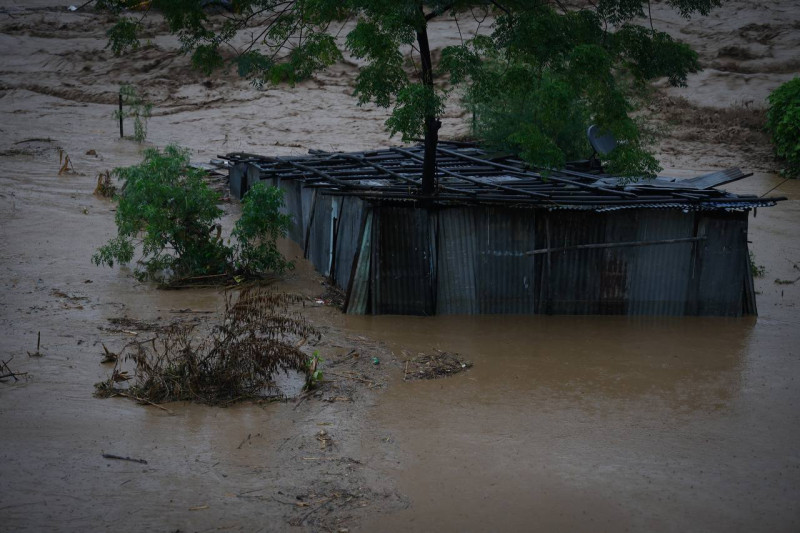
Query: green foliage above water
point(535, 75)
point(168, 210)
point(783, 123)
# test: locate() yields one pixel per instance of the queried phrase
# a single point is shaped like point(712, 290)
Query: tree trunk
point(432, 123)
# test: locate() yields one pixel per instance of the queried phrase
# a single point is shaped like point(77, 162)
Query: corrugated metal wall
point(293, 206)
point(569, 280)
point(457, 262)
point(348, 231)
point(660, 274)
point(505, 274)
point(320, 235)
point(358, 291)
point(402, 261)
point(722, 271)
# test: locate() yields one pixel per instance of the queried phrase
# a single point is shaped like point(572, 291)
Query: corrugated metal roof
point(468, 175)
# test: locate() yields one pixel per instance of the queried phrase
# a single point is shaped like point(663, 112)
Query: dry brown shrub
point(105, 188)
point(236, 360)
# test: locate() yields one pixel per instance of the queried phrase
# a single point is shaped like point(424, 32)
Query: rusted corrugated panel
point(505, 274)
point(456, 272)
point(402, 261)
point(358, 293)
point(319, 250)
point(571, 279)
point(722, 259)
point(660, 275)
point(348, 230)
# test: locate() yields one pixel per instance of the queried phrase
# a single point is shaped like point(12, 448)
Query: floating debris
point(436, 365)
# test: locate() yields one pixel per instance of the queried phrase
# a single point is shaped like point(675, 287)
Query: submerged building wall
point(397, 258)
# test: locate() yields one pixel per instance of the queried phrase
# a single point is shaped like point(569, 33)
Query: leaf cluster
point(167, 209)
point(783, 123)
point(543, 76)
point(544, 72)
point(137, 107)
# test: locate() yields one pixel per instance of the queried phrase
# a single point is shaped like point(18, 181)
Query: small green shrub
point(783, 123)
point(168, 208)
point(136, 107)
point(313, 370)
point(258, 230)
point(756, 270)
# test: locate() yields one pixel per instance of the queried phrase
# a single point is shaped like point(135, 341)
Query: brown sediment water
point(607, 423)
point(563, 423)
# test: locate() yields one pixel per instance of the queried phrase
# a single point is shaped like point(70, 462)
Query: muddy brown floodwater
point(563, 423)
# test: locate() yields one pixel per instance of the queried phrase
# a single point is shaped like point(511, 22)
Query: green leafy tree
point(167, 208)
point(588, 59)
point(783, 123)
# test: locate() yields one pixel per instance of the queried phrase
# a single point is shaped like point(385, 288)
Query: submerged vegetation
point(235, 360)
point(134, 106)
point(167, 209)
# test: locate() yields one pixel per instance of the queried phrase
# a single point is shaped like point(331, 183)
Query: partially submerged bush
point(783, 123)
point(258, 230)
point(136, 107)
point(236, 360)
point(168, 207)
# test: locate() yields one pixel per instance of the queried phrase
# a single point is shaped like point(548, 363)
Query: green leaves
point(414, 103)
point(258, 229)
point(553, 73)
point(543, 75)
point(783, 123)
point(651, 54)
point(123, 36)
point(136, 107)
point(171, 214)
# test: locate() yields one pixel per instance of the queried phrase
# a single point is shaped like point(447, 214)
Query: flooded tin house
point(499, 237)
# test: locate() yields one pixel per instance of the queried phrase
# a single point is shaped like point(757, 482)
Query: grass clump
point(167, 209)
point(235, 360)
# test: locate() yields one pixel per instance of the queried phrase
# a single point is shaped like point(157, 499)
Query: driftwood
point(10, 373)
point(120, 458)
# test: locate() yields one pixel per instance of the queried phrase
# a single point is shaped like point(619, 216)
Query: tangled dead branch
point(234, 360)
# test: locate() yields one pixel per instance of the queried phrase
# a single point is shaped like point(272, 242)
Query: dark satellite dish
point(602, 143)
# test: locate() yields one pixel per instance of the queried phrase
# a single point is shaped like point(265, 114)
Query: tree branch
point(501, 7)
point(435, 13)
